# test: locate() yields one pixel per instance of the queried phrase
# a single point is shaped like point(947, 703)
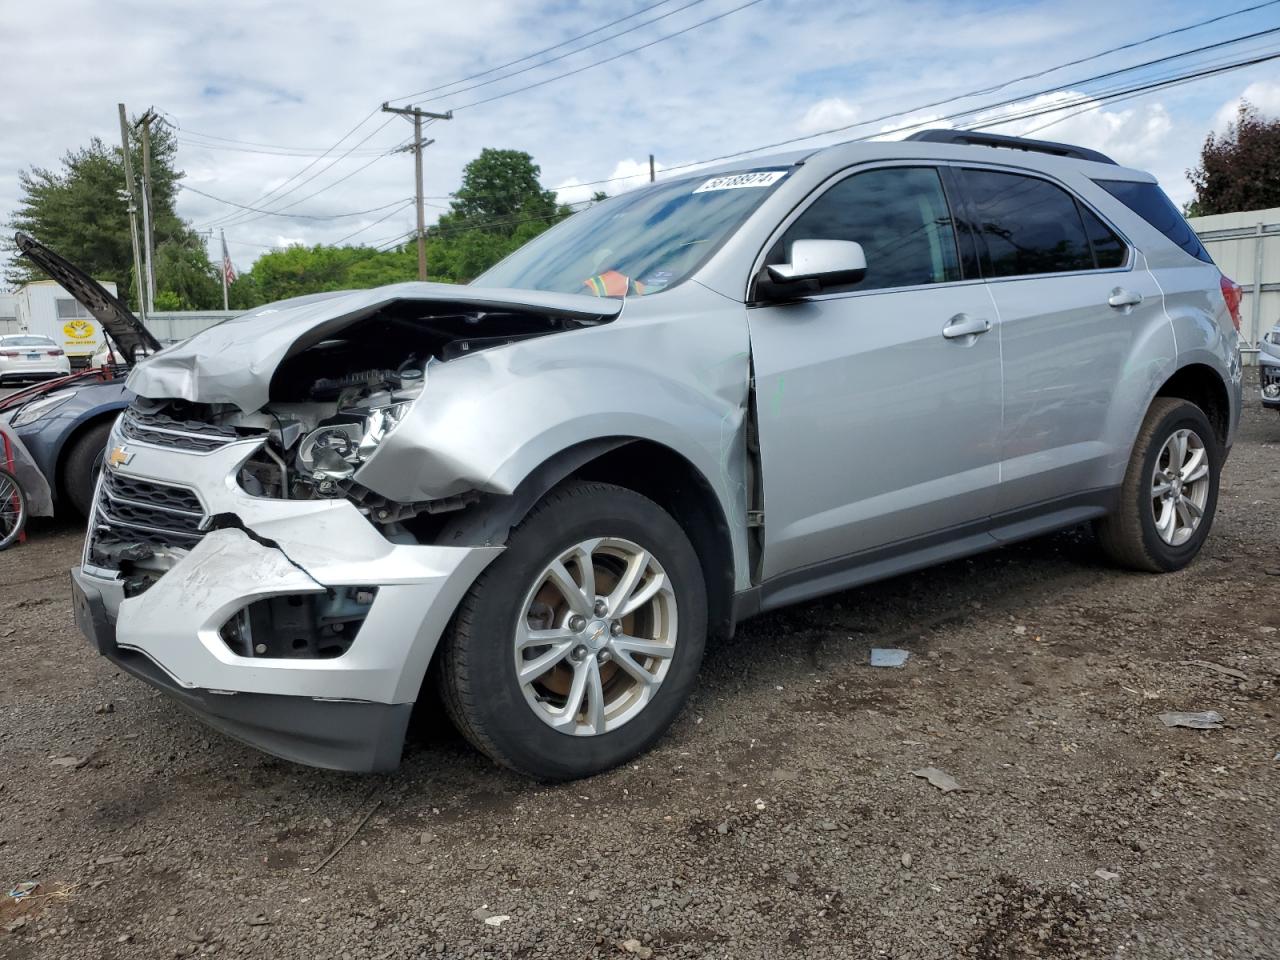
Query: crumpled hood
point(233, 362)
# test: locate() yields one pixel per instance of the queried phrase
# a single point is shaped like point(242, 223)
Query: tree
point(498, 186)
point(77, 211)
point(1239, 170)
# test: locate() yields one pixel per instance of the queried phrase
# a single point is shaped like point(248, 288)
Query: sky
point(258, 91)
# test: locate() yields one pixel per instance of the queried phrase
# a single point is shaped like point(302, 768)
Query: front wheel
point(576, 649)
point(1170, 490)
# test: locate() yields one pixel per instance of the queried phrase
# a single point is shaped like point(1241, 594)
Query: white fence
point(171, 325)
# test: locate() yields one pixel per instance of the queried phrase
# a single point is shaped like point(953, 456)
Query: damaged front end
point(237, 555)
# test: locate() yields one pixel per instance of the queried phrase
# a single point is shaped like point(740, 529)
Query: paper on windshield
point(739, 181)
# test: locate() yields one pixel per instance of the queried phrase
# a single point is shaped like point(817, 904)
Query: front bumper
point(1268, 373)
point(338, 734)
point(346, 712)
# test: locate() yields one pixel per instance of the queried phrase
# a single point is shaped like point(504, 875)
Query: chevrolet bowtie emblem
point(119, 456)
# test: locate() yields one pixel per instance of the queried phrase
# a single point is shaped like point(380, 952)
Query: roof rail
point(975, 139)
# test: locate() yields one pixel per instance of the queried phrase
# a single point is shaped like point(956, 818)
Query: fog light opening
point(307, 626)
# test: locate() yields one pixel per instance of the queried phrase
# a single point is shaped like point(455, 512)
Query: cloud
point(295, 73)
point(1134, 136)
point(828, 113)
point(1264, 95)
point(627, 175)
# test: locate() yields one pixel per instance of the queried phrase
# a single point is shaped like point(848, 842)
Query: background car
point(27, 356)
point(1269, 369)
point(64, 423)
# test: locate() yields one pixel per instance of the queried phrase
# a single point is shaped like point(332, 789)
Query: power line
point(972, 93)
point(274, 211)
point(200, 144)
point(404, 206)
point(616, 56)
point(538, 53)
point(1126, 93)
point(571, 53)
point(962, 113)
point(275, 191)
point(292, 216)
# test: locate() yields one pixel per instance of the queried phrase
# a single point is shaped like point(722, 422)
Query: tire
point(83, 464)
point(13, 509)
point(1132, 536)
point(527, 725)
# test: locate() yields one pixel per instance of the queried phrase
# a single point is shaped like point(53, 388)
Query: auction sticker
point(739, 181)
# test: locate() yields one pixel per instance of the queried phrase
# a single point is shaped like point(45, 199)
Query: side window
point(898, 214)
point(1029, 225)
point(1149, 202)
point(1109, 251)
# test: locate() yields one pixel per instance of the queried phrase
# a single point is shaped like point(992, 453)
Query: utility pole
point(416, 149)
point(138, 279)
point(148, 228)
point(651, 176)
point(226, 261)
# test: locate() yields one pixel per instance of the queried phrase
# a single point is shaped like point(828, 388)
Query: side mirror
point(823, 262)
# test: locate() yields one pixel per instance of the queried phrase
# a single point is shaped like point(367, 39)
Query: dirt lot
point(780, 817)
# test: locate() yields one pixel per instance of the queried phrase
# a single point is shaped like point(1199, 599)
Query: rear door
point(1073, 299)
point(879, 420)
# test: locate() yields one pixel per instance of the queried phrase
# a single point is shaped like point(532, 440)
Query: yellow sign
point(78, 330)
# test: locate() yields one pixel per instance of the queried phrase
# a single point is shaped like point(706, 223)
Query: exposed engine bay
point(334, 400)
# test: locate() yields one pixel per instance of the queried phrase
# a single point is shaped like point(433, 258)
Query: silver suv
point(723, 393)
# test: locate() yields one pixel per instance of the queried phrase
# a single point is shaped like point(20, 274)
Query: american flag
point(228, 270)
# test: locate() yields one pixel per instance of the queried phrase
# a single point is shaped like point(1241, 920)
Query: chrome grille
point(130, 511)
point(161, 430)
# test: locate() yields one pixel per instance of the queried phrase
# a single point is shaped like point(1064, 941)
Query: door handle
point(1120, 297)
point(962, 325)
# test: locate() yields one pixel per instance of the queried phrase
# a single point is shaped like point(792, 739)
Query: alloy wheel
point(595, 636)
point(1180, 486)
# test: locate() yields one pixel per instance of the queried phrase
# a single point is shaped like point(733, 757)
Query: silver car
point(1269, 368)
point(536, 495)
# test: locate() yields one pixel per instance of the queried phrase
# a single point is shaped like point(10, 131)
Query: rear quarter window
point(1149, 202)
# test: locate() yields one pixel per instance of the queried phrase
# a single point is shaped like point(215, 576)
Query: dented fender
point(487, 421)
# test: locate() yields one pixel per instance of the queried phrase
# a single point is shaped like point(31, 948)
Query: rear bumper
point(337, 734)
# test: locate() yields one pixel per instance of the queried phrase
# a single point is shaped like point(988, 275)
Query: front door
point(879, 402)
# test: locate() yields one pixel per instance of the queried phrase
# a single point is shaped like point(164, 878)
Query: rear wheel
point(1170, 490)
point(575, 650)
point(13, 509)
point(82, 466)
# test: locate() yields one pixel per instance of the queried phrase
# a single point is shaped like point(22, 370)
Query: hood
point(126, 330)
point(234, 361)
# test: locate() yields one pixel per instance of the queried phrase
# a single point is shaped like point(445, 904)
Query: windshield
point(637, 244)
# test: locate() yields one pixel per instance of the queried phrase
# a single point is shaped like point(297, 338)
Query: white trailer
point(44, 307)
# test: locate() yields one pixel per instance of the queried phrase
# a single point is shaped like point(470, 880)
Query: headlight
point(36, 409)
point(334, 451)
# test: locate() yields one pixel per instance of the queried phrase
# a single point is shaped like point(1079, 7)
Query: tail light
point(1231, 293)
point(8, 353)
point(55, 353)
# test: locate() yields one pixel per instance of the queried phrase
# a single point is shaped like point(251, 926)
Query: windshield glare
point(637, 244)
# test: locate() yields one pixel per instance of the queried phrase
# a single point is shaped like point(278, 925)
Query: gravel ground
point(779, 818)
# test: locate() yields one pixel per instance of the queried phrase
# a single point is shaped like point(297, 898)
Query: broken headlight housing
point(337, 448)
